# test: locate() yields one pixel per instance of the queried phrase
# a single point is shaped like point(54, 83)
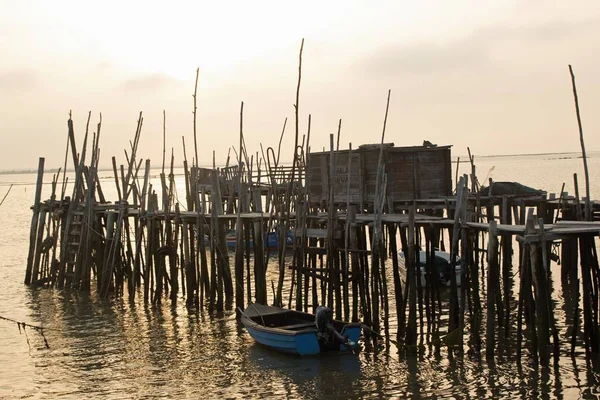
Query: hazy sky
point(485, 74)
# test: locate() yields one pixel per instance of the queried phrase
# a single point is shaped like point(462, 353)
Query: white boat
point(441, 263)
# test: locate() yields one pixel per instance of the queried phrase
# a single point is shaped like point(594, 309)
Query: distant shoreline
point(578, 154)
point(568, 154)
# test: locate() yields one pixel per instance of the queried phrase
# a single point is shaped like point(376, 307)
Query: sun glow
point(174, 39)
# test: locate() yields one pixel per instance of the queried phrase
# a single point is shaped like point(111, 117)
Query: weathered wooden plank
point(413, 172)
point(309, 233)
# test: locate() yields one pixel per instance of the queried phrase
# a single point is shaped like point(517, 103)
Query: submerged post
point(34, 220)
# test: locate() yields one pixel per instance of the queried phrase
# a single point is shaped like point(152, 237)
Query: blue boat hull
point(269, 326)
point(301, 343)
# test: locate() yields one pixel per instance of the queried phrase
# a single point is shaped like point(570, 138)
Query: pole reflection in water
point(118, 349)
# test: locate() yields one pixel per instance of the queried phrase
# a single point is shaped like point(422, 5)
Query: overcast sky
point(485, 74)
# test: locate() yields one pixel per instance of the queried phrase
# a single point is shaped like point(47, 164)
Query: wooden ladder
point(73, 244)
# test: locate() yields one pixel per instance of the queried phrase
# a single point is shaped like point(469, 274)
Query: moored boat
point(297, 332)
point(441, 264)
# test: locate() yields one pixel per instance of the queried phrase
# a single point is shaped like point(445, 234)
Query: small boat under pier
point(297, 332)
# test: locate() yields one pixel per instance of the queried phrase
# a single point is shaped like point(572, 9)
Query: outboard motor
point(327, 332)
point(323, 317)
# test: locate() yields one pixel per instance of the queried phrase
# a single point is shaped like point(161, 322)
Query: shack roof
point(388, 147)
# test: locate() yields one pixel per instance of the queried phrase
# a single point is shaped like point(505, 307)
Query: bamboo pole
point(64, 170)
point(239, 227)
point(465, 284)
point(540, 287)
point(284, 219)
point(355, 267)
point(150, 237)
point(303, 225)
point(248, 227)
point(578, 213)
point(506, 265)
point(412, 274)
point(527, 280)
point(461, 197)
point(204, 281)
point(347, 241)
point(39, 244)
point(396, 270)
point(378, 204)
point(259, 264)
point(588, 206)
point(333, 274)
point(196, 161)
point(492, 286)
point(382, 276)
point(545, 277)
point(590, 296)
point(35, 220)
point(402, 326)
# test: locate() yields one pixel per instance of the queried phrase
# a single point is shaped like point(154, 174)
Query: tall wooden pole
point(34, 220)
point(287, 200)
point(196, 163)
point(378, 202)
point(588, 208)
point(165, 136)
point(239, 247)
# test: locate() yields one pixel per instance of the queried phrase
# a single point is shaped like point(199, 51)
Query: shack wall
point(412, 173)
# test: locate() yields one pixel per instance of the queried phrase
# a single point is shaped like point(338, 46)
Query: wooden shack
point(417, 172)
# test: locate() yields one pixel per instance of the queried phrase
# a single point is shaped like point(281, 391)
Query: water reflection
point(118, 348)
point(329, 375)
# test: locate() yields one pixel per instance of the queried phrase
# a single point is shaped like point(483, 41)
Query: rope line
point(24, 325)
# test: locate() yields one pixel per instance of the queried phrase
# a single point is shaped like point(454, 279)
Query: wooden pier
point(346, 234)
point(350, 215)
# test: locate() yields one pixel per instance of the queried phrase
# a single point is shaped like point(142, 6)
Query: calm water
point(115, 349)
